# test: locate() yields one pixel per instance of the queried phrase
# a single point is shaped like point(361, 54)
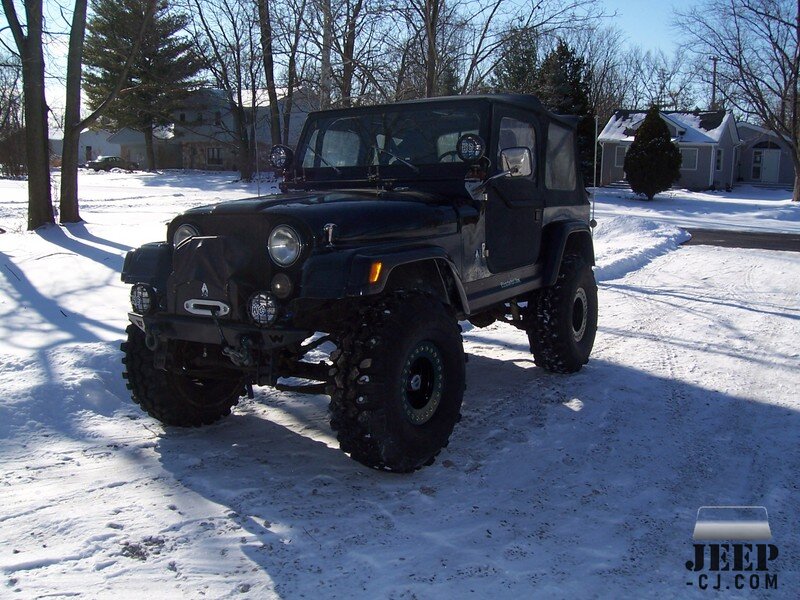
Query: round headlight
point(183, 233)
point(263, 308)
point(284, 245)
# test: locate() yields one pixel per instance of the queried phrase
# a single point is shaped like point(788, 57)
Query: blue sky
point(648, 23)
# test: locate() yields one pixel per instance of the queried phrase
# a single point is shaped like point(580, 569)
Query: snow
point(745, 208)
point(552, 486)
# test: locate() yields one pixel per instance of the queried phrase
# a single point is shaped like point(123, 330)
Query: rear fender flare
point(562, 238)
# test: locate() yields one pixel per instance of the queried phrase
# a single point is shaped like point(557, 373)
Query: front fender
point(347, 274)
point(150, 264)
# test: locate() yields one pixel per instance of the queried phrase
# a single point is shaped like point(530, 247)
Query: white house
point(708, 142)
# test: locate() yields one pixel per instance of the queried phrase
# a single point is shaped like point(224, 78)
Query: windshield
point(401, 137)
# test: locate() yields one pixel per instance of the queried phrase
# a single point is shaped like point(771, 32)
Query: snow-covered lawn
point(552, 486)
point(745, 208)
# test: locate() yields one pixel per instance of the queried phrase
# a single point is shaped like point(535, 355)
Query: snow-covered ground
point(552, 487)
point(745, 208)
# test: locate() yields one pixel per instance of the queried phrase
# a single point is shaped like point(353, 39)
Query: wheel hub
point(422, 382)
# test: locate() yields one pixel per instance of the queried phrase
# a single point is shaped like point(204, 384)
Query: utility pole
point(714, 60)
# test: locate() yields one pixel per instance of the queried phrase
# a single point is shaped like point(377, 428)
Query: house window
point(199, 118)
point(758, 158)
point(214, 156)
point(182, 117)
point(688, 159)
point(559, 172)
point(619, 156)
point(217, 118)
point(718, 164)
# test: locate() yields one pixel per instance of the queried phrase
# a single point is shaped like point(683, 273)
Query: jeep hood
point(359, 215)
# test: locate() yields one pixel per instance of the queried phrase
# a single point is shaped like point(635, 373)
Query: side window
point(688, 159)
point(516, 134)
point(559, 173)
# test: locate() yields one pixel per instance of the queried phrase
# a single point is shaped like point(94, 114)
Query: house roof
point(129, 136)
point(695, 127)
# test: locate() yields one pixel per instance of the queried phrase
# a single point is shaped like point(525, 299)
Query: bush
point(653, 162)
point(12, 153)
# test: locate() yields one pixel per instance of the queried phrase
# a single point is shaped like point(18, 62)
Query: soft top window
point(559, 173)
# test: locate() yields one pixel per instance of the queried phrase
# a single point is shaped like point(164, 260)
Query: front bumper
point(166, 327)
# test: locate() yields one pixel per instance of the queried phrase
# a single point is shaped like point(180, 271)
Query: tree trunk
point(244, 147)
point(796, 191)
point(69, 212)
point(265, 25)
point(37, 145)
point(348, 54)
point(431, 54)
point(325, 70)
point(291, 79)
point(149, 149)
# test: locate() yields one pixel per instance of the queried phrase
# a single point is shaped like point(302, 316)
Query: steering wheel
point(446, 154)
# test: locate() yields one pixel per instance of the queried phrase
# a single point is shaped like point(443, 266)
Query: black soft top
point(523, 101)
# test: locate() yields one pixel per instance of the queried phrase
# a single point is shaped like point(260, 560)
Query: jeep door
point(515, 204)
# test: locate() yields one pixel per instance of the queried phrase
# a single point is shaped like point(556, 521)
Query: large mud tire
point(172, 398)
point(398, 382)
point(563, 318)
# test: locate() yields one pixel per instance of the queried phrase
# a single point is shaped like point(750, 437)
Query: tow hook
point(241, 356)
point(151, 339)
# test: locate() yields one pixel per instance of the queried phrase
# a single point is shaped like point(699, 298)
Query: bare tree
point(467, 38)
point(12, 133)
point(268, 53)
point(758, 46)
point(73, 123)
point(28, 40)
point(226, 33)
point(600, 48)
point(292, 35)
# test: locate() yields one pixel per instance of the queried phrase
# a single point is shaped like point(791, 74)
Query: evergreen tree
point(162, 73)
point(516, 72)
point(560, 84)
point(653, 162)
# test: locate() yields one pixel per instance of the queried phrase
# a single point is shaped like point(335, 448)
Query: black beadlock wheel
point(172, 398)
point(563, 318)
point(398, 382)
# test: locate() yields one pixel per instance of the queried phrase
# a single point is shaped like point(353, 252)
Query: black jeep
point(395, 222)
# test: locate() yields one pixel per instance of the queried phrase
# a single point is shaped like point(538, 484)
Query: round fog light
point(263, 308)
point(282, 286)
point(143, 298)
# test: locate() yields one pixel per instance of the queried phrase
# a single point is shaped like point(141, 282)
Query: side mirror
point(280, 157)
point(517, 161)
point(470, 148)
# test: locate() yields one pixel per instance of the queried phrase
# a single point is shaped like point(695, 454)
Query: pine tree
point(516, 73)
point(560, 84)
point(653, 162)
point(161, 75)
